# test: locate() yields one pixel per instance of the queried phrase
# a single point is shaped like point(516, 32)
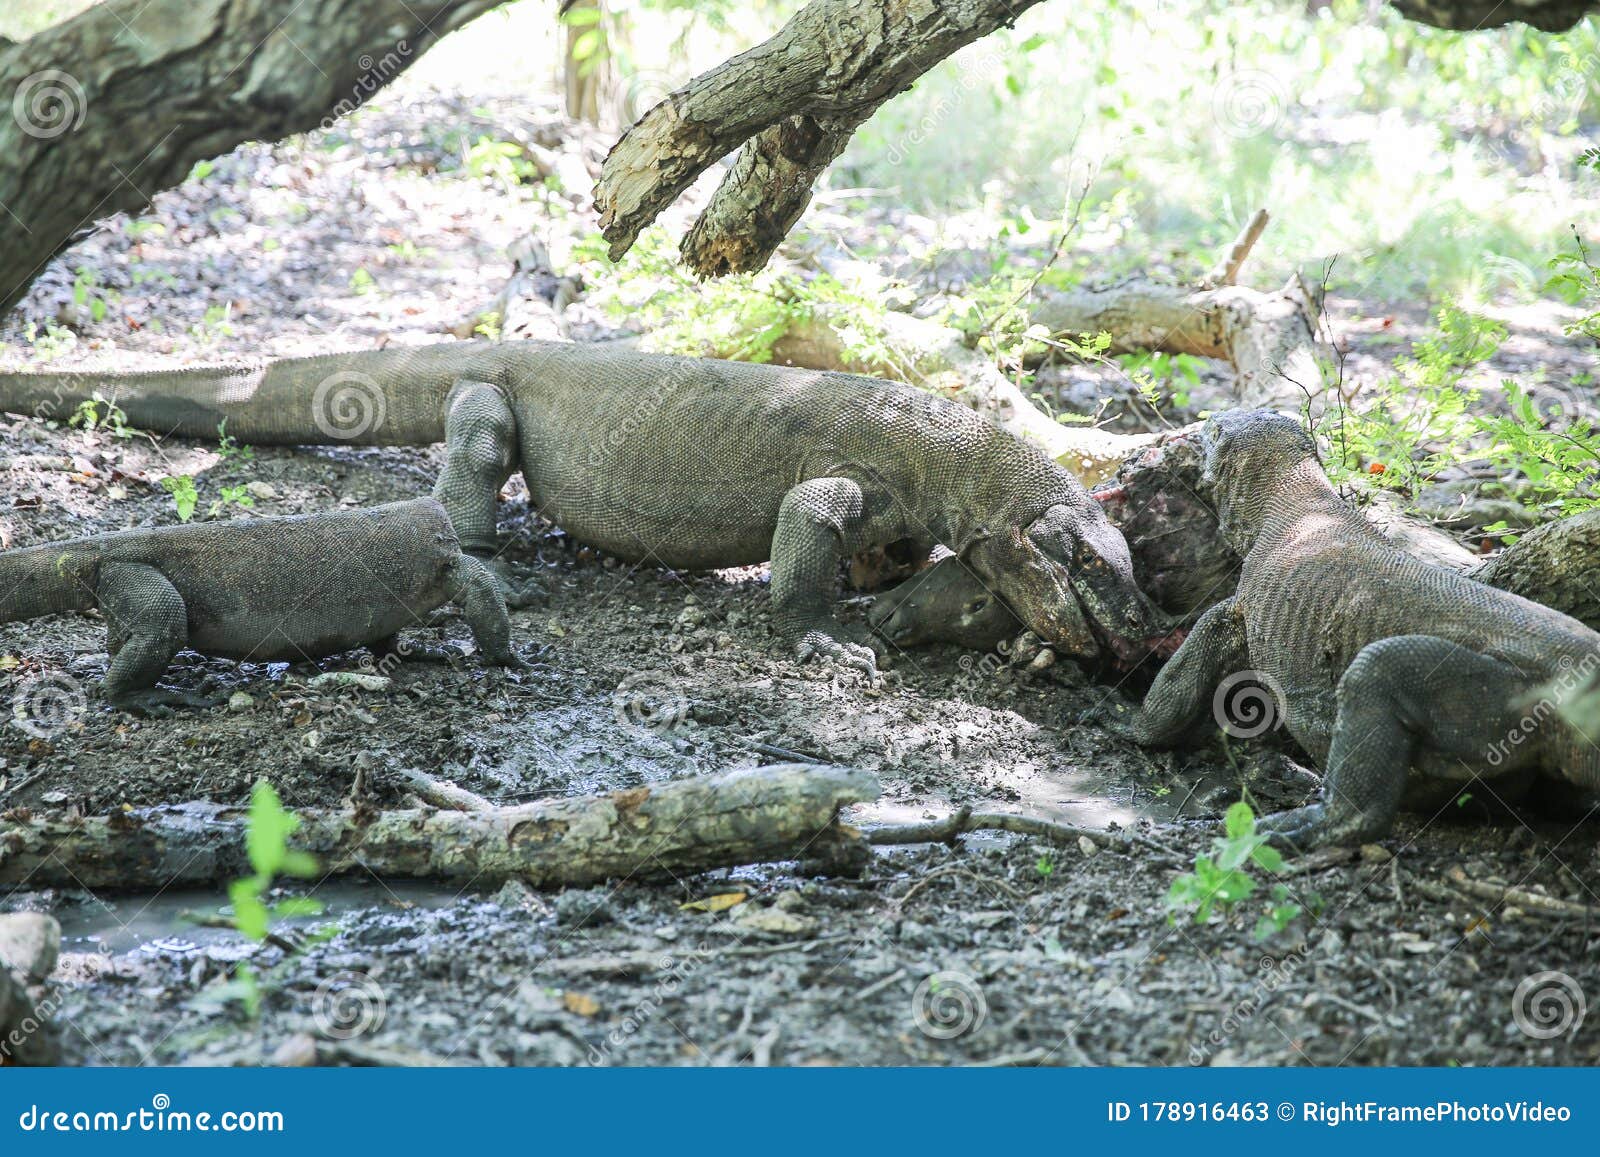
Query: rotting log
point(780, 812)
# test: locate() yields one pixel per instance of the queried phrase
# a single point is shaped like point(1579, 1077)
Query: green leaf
point(1240, 821)
point(1268, 857)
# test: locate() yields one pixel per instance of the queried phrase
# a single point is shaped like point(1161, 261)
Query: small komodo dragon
point(1380, 663)
point(684, 462)
point(260, 589)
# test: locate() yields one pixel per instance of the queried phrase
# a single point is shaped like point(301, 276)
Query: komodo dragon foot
point(851, 651)
point(516, 587)
point(156, 703)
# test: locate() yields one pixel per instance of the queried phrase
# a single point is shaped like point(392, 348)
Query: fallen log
point(780, 812)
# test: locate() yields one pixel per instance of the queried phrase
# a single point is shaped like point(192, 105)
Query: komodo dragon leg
point(1400, 697)
point(481, 450)
point(1184, 687)
point(816, 524)
point(146, 625)
point(478, 593)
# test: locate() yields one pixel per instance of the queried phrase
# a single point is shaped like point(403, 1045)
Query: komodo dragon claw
point(820, 644)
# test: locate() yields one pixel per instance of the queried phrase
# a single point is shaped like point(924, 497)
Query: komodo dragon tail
point(390, 397)
point(47, 579)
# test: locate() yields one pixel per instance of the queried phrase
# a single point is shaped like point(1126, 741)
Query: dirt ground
point(1001, 951)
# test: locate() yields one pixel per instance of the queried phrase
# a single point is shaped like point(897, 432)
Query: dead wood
point(30, 943)
point(964, 820)
point(781, 812)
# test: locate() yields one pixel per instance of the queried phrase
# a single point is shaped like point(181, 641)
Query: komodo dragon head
point(1243, 450)
point(1066, 570)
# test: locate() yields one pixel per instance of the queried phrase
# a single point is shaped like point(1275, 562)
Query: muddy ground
point(1001, 951)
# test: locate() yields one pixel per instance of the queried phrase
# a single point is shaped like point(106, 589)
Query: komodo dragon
point(685, 462)
point(1380, 663)
point(259, 589)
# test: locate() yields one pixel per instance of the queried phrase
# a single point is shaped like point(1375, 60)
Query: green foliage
point(740, 317)
point(184, 495)
point(87, 294)
point(504, 162)
point(100, 414)
point(362, 282)
point(267, 833)
point(1045, 866)
point(1222, 879)
point(229, 447)
point(227, 496)
point(214, 325)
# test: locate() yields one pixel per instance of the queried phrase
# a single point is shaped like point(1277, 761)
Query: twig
point(1521, 897)
point(441, 794)
point(964, 820)
point(1226, 271)
point(26, 781)
point(878, 986)
point(1069, 226)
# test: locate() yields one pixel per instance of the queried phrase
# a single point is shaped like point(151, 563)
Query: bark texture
point(781, 812)
point(106, 109)
point(1470, 15)
point(799, 95)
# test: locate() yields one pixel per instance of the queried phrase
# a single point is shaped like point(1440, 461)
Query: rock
point(753, 919)
point(583, 906)
point(1376, 854)
point(240, 702)
point(358, 679)
point(30, 943)
point(261, 490)
point(298, 1052)
point(1087, 846)
point(514, 896)
point(790, 901)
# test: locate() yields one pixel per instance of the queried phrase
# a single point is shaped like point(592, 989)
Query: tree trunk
point(781, 812)
point(589, 65)
point(119, 102)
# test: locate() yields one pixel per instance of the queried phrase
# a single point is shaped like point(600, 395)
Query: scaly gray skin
point(946, 603)
point(683, 462)
point(261, 590)
point(1382, 663)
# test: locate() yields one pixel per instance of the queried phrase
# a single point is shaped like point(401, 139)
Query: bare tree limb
point(800, 94)
point(108, 108)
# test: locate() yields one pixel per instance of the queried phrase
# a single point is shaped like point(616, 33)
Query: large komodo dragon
point(259, 589)
point(1381, 663)
point(685, 462)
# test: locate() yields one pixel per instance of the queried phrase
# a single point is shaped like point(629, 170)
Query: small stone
point(30, 942)
point(261, 490)
point(790, 901)
point(298, 1052)
point(53, 797)
point(1045, 658)
point(1087, 846)
point(1376, 854)
point(312, 739)
point(514, 896)
point(748, 916)
point(239, 702)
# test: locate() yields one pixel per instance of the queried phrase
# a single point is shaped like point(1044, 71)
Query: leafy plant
point(184, 495)
point(229, 447)
point(267, 833)
point(230, 496)
point(98, 413)
point(1222, 878)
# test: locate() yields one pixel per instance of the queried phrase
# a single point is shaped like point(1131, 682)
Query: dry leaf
point(721, 902)
point(580, 1003)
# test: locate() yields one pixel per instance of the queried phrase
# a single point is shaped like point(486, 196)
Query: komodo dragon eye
point(977, 605)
